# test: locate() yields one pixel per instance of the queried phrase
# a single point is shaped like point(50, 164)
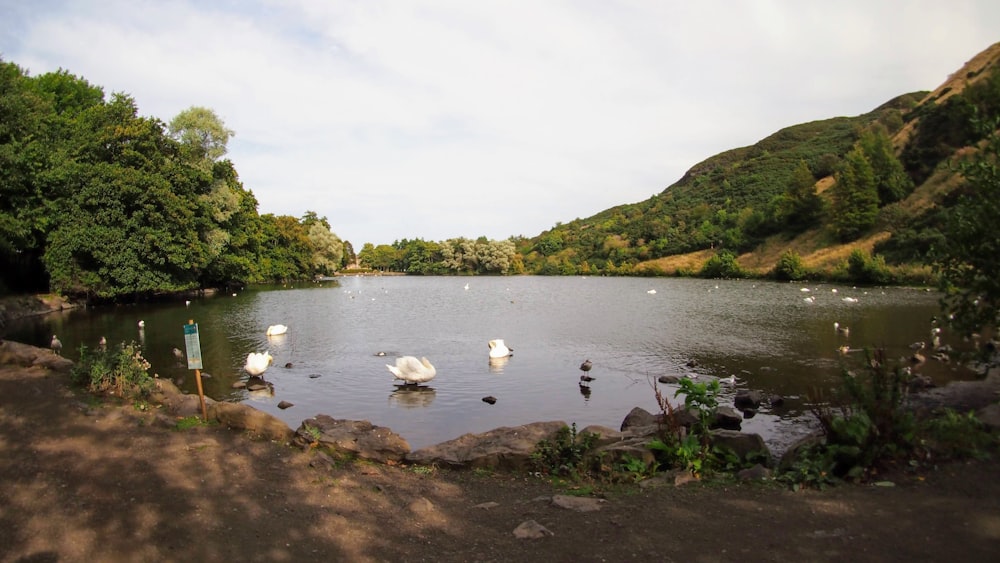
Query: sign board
point(193, 345)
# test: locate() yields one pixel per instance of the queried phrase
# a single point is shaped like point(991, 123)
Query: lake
point(632, 329)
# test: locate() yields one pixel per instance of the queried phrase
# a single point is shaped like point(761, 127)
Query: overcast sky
point(467, 118)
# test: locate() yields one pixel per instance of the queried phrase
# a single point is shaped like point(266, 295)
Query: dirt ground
point(82, 480)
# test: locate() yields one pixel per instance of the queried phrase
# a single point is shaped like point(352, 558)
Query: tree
point(802, 206)
point(327, 249)
point(891, 180)
point(855, 207)
point(967, 257)
point(202, 133)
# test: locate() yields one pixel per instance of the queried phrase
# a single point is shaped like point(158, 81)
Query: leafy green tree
point(891, 180)
point(203, 134)
point(855, 207)
point(722, 265)
point(327, 249)
point(967, 257)
point(802, 206)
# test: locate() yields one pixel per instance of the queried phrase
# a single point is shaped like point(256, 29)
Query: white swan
point(498, 349)
point(275, 330)
point(413, 371)
point(731, 380)
point(258, 363)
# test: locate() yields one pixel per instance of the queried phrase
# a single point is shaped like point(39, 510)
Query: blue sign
point(193, 345)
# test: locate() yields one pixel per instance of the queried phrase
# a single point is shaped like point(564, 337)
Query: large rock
point(500, 448)
point(353, 438)
point(243, 417)
point(26, 355)
point(743, 445)
point(174, 401)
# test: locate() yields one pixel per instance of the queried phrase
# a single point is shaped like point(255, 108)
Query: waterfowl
point(179, 355)
point(257, 363)
point(731, 380)
point(275, 330)
point(142, 324)
point(498, 349)
point(56, 345)
point(102, 344)
point(413, 371)
point(585, 366)
point(651, 292)
point(585, 379)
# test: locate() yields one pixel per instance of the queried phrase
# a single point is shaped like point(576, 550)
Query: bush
point(866, 269)
point(722, 265)
point(789, 267)
point(121, 373)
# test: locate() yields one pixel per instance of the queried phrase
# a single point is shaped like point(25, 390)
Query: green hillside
point(822, 189)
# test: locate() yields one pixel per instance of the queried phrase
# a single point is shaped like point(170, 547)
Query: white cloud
point(435, 119)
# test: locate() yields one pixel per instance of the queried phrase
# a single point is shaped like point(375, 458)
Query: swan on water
point(498, 349)
point(651, 292)
point(731, 380)
point(412, 371)
point(275, 330)
point(257, 363)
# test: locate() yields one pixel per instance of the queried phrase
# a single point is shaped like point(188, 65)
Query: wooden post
point(201, 392)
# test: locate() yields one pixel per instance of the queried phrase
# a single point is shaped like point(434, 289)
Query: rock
point(747, 399)
point(529, 529)
point(176, 402)
point(604, 435)
point(990, 416)
point(776, 401)
point(239, 385)
point(638, 417)
point(487, 505)
point(421, 506)
point(795, 451)
point(743, 445)
point(244, 417)
point(577, 504)
point(670, 379)
point(756, 473)
point(500, 448)
point(728, 418)
point(27, 355)
point(490, 400)
point(285, 404)
point(353, 438)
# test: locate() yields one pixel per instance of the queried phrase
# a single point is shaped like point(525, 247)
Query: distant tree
point(327, 249)
point(967, 257)
point(722, 265)
point(802, 206)
point(855, 207)
point(202, 132)
point(891, 180)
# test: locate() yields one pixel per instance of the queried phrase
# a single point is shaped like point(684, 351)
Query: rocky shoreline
point(504, 448)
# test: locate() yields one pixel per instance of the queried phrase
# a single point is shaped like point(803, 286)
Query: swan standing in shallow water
point(275, 330)
point(258, 363)
point(413, 371)
point(498, 349)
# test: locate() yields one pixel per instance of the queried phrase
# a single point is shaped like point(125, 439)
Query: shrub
point(789, 267)
point(565, 454)
point(121, 372)
point(722, 265)
point(866, 269)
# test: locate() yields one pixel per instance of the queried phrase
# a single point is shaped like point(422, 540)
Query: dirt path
point(81, 481)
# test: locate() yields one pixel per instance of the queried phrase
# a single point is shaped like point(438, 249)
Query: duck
point(586, 365)
point(498, 349)
point(275, 330)
point(56, 344)
point(413, 371)
point(179, 355)
point(257, 363)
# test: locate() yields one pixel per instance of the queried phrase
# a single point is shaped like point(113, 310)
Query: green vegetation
point(565, 455)
point(869, 428)
point(119, 372)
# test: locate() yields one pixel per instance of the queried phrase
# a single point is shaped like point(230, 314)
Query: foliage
point(869, 425)
point(565, 455)
point(202, 133)
point(967, 256)
point(688, 448)
point(952, 435)
point(891, 181)
point(789, 267)
point(722, 265)
point(855, 206)
point(121, 372)
point(867, 269)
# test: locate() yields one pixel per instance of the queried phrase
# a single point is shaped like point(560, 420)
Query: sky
point(438, 119)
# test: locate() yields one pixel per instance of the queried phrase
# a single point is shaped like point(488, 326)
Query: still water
point(632, 329)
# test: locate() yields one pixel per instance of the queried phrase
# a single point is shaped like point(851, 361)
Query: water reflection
point(497, 364)
point(412, 396)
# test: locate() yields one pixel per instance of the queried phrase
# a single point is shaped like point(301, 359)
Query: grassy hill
point(742, 201)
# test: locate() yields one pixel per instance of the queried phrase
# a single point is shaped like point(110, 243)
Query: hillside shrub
point(789, 267)
point(866, 269)
point(722, 265)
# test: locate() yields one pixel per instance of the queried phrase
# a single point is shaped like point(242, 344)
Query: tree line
point(99, 202)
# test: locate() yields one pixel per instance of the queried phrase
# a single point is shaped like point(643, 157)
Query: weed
point(422, 469)
point(954, 436)
point(189, 422)
point(565, 454)
point(119, 373)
